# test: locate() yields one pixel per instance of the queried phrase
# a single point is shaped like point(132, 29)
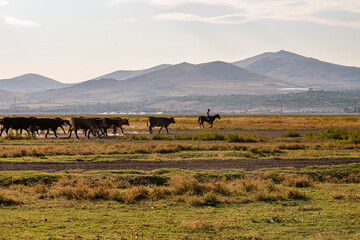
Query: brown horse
point(209, 120)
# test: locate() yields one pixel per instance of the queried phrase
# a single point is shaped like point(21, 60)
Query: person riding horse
point(209, 119)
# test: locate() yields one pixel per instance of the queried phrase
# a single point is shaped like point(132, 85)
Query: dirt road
point(246, 164)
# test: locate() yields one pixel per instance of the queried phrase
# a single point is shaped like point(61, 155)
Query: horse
point(209, 120)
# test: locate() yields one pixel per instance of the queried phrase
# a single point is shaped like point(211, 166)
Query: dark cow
point(115, 123)
point(87, 124)
point(17, 123)
point(68, 123)
point(48, 124)
point(159, 122)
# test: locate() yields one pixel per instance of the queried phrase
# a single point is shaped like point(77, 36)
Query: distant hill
point(311, 72)
point(124, 74)
point(9, 97)
point(30, 83)
point(85, 91)
point(214, 78)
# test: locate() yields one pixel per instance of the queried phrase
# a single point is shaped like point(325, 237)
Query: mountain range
point(310, 72)
point(263, 74)
point(30, 83)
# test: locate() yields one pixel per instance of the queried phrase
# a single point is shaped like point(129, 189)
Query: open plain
point(249, 177)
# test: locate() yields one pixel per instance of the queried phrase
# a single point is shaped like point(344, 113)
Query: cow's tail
point(147, 122)
point(199, 120)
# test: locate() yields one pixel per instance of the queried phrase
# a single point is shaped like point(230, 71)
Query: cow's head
point(126, 122)
point(172, 120)
point(61, 121)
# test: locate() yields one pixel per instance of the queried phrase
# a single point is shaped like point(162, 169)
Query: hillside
point(124, 74)
point(311, 72)
point(30, 83)
point(212, 78)
point(183, 79)
point(9, 97)
point(85, 91)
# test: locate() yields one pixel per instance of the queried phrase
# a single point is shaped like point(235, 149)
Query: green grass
point(330, 209)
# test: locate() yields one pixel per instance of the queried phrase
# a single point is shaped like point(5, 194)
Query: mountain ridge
point(30, 82)
point(312, 72)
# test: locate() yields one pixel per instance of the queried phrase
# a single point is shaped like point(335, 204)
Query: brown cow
point(159, 122)
point(91, 124)
point(115, 123)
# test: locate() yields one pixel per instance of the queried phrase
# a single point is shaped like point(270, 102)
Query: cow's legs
point(54, 130)
point(150, 130)
point(62, 128)
point(70, 131)
point(122, 130)
point(88, 133)
point(167, 130)
point(98, 134)
point(160, 129)
point(47, 132)
point(2, 129)
point(75, 133)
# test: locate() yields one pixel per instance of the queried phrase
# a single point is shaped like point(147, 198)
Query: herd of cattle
point(95, 126)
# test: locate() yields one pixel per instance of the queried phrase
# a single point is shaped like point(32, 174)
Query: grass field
point(287, 203)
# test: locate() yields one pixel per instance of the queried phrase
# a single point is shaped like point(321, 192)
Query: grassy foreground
point(312, 203)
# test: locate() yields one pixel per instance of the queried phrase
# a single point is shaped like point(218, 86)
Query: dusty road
point(246, 164)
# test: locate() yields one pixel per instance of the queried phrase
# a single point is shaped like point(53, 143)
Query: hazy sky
point(76, 40)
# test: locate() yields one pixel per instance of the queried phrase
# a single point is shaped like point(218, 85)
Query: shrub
point(208, 136)
point(290, 134)
point(311, 135)
point(185, 184)
point(294, 180)
point(341, 134)
point(7, 200)
point(18, 136)
point(234, 137)
point(135, 194)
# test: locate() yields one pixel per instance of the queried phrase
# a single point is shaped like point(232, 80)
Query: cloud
point(281, 10)
point(3, 2)
point(20, 22)
point(225, 19)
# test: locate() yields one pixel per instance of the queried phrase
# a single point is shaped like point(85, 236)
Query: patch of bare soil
point(246, 164)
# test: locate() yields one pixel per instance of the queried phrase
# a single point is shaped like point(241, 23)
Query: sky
point(77, 40)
